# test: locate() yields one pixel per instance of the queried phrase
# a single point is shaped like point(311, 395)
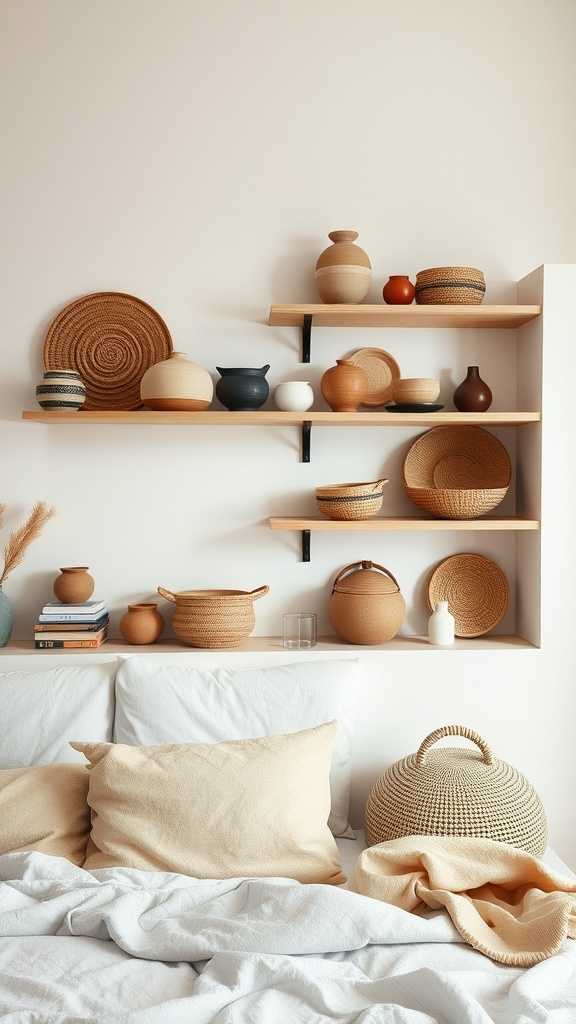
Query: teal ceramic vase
point(5, 619)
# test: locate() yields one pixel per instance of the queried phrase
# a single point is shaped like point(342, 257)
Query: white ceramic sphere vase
point(294, 396)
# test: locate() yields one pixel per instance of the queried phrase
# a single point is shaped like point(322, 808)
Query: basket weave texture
point(111, 339)
point(351, 501)
point(213, 618)
point(456, 792)
point(457, 472)
point(447, 285)
point(476, 590)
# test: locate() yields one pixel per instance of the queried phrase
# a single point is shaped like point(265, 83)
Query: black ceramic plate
point(414, 407)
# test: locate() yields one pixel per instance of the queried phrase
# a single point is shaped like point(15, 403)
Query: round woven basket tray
point(468, 457)
point(476, 589)
point(111, 339)
point(454, 791)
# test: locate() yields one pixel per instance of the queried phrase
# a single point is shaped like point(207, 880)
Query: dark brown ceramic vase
point(473, 394)
point(399, 290)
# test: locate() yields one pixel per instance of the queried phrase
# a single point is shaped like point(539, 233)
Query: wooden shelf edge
point(274, 418)
point(407, 523)
point(482, 316)
point(273, 645)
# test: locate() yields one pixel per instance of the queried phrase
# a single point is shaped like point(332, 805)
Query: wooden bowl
point(416, 389)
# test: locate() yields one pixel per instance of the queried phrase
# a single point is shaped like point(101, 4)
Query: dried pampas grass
point(20, 539)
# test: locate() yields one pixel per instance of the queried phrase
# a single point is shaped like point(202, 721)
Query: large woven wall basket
point(456, 791)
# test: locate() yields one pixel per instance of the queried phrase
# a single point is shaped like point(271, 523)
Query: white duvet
point(134, 946)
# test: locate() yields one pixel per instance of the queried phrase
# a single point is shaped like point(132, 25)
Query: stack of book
point(71, 625)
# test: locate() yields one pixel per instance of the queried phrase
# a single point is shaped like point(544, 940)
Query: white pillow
point(158, 704)
point(42, 710)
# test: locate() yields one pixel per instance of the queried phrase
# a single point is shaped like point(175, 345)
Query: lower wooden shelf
point(273, 645)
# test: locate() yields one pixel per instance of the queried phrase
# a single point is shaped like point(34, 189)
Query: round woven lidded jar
point(366, 606)
point(455, 791)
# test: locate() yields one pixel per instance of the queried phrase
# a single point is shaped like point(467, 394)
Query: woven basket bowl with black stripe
point(442, 286)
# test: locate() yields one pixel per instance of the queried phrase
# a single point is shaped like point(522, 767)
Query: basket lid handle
point(453, 730)
point(167, 594)
point(364, 565)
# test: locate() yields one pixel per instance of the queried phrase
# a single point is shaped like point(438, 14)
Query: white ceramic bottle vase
point(441, 626)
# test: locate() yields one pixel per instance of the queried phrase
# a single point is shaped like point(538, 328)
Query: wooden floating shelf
point(306, 525)
point(389, 523)
point(403, 316)
point(275, 418)
point(273, 645)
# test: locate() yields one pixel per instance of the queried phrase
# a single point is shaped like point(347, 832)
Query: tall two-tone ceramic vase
point(343, 270)
point(5, 619)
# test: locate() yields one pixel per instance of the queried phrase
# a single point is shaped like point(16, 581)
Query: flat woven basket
point(111, 339)
point(456, 792)
point(447, 285)
point(476, 589)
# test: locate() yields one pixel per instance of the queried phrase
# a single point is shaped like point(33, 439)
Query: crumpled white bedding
point(245, 952)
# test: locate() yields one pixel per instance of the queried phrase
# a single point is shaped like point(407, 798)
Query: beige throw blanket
point(504, 902)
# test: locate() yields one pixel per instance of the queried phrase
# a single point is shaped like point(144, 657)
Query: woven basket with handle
point(454, 791)
point(213, 618)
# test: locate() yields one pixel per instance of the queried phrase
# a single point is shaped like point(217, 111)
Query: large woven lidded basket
point(111, 339)
point(440, 286)
point(454, 791)
point(457, 472)
point(213, 618)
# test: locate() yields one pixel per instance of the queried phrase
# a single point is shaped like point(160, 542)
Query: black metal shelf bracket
point(305, 446)
point(305, 545)
point(306, 337)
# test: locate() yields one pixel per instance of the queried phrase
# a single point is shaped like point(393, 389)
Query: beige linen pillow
point(220, 810)
point(45, 808)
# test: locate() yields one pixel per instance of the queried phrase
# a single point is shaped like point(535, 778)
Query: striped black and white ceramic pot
point(61, 389)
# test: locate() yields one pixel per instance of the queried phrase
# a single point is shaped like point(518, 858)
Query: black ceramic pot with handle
point(242, 388)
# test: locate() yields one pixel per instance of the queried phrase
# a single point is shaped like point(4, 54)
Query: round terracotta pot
point(142, 623)
point(343, 271)
point(344, 386)
point(473, 394)
point(75, 585)
point(399, 290)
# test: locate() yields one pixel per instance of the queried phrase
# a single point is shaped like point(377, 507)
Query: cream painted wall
point(197, 156)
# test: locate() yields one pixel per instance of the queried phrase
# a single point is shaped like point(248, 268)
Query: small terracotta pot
point(344, 386)
point(75, 585)
point(473, 394)
point(142, 623)
point(399, 290)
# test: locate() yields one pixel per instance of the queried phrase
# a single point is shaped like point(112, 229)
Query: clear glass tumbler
point(299, 630)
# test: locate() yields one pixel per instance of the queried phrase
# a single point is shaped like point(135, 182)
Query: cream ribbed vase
point(176, 384)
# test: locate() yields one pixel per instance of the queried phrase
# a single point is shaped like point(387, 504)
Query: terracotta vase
point(75, 585)
point(343, 270)
point(142, 623)
point(176, 384)
point(344, 386)
point(473, 394)
point(399, 290)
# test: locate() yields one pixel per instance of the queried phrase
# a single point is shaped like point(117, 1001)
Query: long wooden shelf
point(273, 645)
point(387, 524)
point(275, 418)
point(402, 316)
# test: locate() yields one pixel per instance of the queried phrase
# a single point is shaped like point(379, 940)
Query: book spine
point(88, 627)
point(84, 619)
point(73, 644)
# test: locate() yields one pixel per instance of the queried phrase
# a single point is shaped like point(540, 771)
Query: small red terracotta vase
point(399, 290)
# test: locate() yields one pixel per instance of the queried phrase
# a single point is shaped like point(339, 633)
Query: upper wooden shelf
point(383, 524)
point(403, 316)
point(275, 418)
